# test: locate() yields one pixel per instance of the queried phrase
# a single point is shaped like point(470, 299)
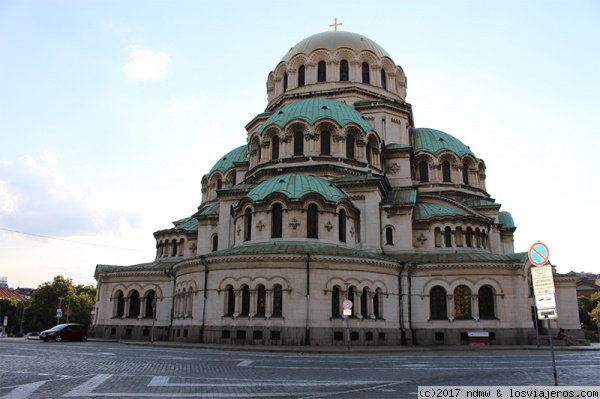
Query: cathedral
point(338, 222)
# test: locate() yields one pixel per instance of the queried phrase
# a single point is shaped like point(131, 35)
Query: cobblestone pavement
point(34, 369)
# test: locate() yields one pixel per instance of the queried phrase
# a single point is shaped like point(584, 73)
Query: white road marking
point(163, 381)
point(23, 391)
point(87, 387)
point(245, 363)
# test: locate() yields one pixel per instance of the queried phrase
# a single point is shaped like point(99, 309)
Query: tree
point(586, 306)
point(46, 299)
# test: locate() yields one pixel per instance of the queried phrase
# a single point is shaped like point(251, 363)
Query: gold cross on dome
point(335, 24)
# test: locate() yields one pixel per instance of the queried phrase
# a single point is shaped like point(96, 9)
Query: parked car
point(32, 335)
point(71, 332)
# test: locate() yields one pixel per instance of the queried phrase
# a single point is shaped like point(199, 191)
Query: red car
point(71, 332)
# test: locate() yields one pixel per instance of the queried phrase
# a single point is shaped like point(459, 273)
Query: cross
point(335, 24)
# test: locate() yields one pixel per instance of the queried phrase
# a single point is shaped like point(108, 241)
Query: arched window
point(301, 72)
point(230, 301)
point(448, 237)
point(120, 304)
point(364, 303)
point(335, 302)
point(366, 73)
point(321, 71)
point(298, 144)
point(150, 303)
point(245, 301)
point(311, 222)
point(350, 147)
point(285, 82)
point(277, 221)
point(275, 148)
point(469, 237)
point(486, 303)
point(383, 79)
point(377, 304)
point(437, 303)
point(423, 172)
point(465, 172)
point(458, 236)
point(368, 150)
point(215, 242)
point(248, 225)
point(446, 172)
point(260, 300)
point(134, 304)
point(219, 184)
point(437, 236)
point(351, 298)
point(342, 225)
point(233, 178)
point(389, 236)
point(344, 71)
point(173, 247)
point(462, 302)
point(325, 143)
point(277, 301)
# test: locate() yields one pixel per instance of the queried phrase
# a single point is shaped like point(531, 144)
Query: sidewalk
point(352, 349)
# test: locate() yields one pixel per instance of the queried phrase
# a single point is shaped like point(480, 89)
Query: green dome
point(240, 154)
point(296, 186)
point(314, 109)
point(334, 40)
point(435, 142)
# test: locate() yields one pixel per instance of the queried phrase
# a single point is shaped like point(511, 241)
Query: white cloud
point(145, 65)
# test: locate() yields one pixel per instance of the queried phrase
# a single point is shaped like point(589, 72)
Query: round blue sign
point(539, 254)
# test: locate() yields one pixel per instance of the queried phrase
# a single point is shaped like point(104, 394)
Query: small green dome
point(314, 109)
point(333, 40)
point(435, 142)
point(224, 164)
point(296, 186)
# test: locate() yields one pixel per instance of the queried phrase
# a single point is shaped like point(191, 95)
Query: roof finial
point(335, 24)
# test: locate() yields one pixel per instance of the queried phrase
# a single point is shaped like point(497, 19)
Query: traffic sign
point(545, 301)
point(539, 254)
point(543, 280)
point(5, 321)
point(547, 314)
point(58, 313)
point(347, 304)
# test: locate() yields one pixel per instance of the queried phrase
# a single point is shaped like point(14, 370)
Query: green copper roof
point(296, 186)
point(189, 224)
point(400, 197)
point(435, 142)
point(314, 109)
point(212, 209)
point(238, 155)
point(506, 220)
point(425, 211)
point(333, 40)
point(462, 257)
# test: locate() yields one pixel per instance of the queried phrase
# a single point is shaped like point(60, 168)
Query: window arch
point(389, 236)
point(366, 73)
point(174, 247)
point(321, 71)
point(248, 225)
point(120, 304)
point(465, 173)
point(486, 303)
point(368, 151)
point(383, 79)
point(462, 302)
point(342, 225)
point(215, 242)
point(230, 301)
point(219, 184)
point(275, 148)
point(134, 304)
point(298, 144)
point(285, 82)
point(377, 304)
point(364, 303)
point(423, 172)
point(245, 301)
point(260, 300)
point(351, 298)
point(301, 73)
point(448, 237)
point(312, 219)
point(325, 143)
point(344, 75)
point(335, 302)
point(446, 172)
point(150, 304)
point(276, 221)
point(277, 301)
point(437, 303)
point(350, 147)
point(469, 237)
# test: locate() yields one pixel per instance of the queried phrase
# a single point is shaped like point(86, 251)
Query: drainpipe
point(203, 261)
point(307, 338)
point(401, 305)
point(413, 267)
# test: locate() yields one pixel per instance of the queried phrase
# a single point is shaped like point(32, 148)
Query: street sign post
point(539, 254)
point(543, 280)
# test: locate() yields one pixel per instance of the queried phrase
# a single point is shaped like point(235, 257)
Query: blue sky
point(112, 111)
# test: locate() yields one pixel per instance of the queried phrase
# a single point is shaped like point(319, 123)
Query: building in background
point(336, 196)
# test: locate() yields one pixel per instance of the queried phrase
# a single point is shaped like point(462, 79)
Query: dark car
point(71, 332)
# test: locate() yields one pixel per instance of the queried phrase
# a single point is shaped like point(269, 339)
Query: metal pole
point(60, 298)
point(346, 318)
point(552, 351)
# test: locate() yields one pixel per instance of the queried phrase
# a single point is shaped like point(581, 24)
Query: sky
point(112, 111)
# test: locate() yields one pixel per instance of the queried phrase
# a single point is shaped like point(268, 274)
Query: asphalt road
point(34, 369)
